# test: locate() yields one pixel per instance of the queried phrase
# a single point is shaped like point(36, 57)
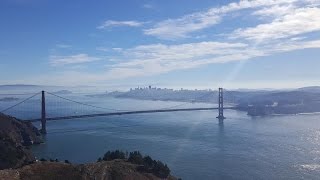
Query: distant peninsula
point(63, 92)
point(8, 99)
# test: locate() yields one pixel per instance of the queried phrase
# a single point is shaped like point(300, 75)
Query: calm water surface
point(193, 144)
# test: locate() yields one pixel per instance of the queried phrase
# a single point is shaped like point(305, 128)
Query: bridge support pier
point(220, 100)
point(43, 114)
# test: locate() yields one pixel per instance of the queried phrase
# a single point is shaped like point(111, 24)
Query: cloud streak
point(148, 6)
point(182, 27)
point(63, 46)
point(159, 58)
point(295, 22)
point(72, 59)
point(112, 23)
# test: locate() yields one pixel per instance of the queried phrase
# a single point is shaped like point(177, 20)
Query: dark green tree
point(135, 158)
point(161, 170)
point(148, 162)
point(111, 155)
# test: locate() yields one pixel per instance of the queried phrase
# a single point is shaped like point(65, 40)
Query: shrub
point(111, 155)
point(135, 158)
point(156, 167)
point(161, 170)
point(147, 164)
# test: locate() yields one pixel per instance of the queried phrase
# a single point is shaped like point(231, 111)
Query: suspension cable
point(19, 103)
point(85, 104)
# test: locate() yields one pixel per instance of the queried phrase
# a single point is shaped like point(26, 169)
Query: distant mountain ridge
point(310, 89)
point(18, 85)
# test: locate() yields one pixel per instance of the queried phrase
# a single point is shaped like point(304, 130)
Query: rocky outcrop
point(105, 170)
point(15, 137)
point(42, 171)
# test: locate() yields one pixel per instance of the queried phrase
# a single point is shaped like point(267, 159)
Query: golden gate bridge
point(44, 117)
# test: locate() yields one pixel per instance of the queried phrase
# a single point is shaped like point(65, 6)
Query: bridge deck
point(127, 112)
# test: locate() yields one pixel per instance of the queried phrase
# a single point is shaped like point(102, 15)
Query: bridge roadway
point(127, 112)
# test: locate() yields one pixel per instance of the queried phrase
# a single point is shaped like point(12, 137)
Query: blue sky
point(172, 43)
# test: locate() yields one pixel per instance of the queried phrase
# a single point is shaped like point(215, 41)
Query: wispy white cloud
point(295, 22)
point(63, 46)
point(111, 23)
point(181, 27)
point(149, 60)
point(292, 45)
point(164, 52)
point(298, 38)
point(159, 58)
point(275, 10)
point(72, 59)
point(148, 6)
point(104, 49)
point(117, 49)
